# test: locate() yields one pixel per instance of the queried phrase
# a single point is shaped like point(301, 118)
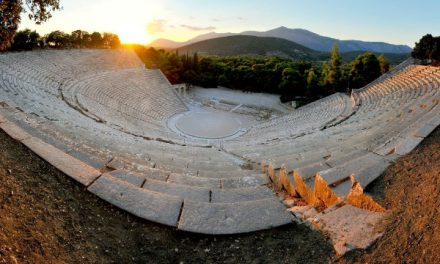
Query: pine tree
point(384, 64)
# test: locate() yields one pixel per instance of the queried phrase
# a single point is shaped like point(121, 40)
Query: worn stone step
point(365, 169)
point(153, 206)
point(246, 181)
point(225, 174)
point(398, 146)
point(425, 130)
point(296, 161)
point(91, 160)
point(338, 158)
point(350, 227)
point(198, 194)
point(137, 179)
point(194, 181)
point(14, 131)
point(311, 170)
point(241, 194)
point(232, 218)
point(69, 165)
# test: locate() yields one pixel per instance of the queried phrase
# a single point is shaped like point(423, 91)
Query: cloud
point(240, 18)
point(156, 26)
point(195, 28)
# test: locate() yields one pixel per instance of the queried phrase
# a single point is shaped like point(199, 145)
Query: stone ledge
point(153, 206)
point(241, 194)
point(349, 227)
point(186, 192)
point(69, 165)
point(233, 218)
point(14, 131)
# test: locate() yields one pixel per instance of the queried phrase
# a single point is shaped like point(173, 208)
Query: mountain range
point(242, 45)
point(303, 37)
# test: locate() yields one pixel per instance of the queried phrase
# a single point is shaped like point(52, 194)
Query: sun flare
point(134, 35)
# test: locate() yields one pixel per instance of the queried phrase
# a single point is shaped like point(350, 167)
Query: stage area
point(208, 125)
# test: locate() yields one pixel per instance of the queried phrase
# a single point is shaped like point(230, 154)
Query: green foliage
point(29, 40)
point(428, 48)
point(10, 16)
point(25, 40)
point(58, 39)
point(333, 76)
point(384, 64)
point(365, 69)
point(293, 80)
point(96, 40)
point(110, 40)
point(393, 58)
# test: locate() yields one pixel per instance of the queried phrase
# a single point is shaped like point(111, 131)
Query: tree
point(365, 69)
point(312, 83)
point(80, 38)
point(10, 16)
point(292, 84)
point(384, 64)
point(111, 41)
point(25, 40)
point(58, 39)
point(427, 48)
point(333, 75)
point(96, 40)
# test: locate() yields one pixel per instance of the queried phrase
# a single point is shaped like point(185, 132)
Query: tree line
point(293, 80)
point(38, 11)
point(427, 49)
point(30, 40)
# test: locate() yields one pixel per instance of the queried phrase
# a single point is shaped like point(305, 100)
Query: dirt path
point(47, 218)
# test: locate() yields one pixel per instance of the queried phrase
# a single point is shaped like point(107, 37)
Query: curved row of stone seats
point(99, 139)
point(390, 119)
point(191, 203)
point(140, 101)
point(212, 179)
point(327, 111)
point(60, 66)
point(38, 78)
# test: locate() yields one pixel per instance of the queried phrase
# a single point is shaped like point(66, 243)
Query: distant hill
point(301, 36)
point(321, 43)
point(240, 45)
point(250, 45)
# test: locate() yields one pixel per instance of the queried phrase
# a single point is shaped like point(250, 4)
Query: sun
point(131, 35)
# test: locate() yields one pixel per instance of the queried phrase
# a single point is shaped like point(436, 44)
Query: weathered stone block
point(323, 192)
point(131, 177)
point(186, 192)
point(14, 131)
point(194, 181)
point(286, 183)
point(358, 199)
point(153, 206)
point(349, 227)
point(303, 190)
point(243, 182)
point(232, 218)
point(241, 194)
point(69, 165)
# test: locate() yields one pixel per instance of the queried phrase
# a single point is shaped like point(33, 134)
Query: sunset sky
point(142, 21)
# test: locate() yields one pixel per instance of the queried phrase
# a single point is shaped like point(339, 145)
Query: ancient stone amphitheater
point(103, 119)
